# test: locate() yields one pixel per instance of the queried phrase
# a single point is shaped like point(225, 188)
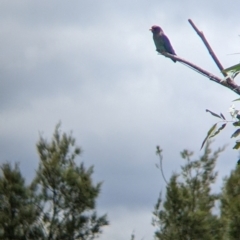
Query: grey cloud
point(93, 66)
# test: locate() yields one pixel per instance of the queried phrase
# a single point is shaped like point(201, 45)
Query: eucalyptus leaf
point(237, 146)
point(222, 116)
point(218, 131)
point(214, 114)
point(236, 133)
point(236, 124)
point(209, 134)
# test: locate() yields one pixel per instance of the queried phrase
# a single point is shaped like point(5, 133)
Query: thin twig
point(161, 167)
point(159, 153)
point(201, 35)
point(229, 80)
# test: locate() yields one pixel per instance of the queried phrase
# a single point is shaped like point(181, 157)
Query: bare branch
point(201, 35)
point(197, 68)
point(229, 80)
point(228, 84)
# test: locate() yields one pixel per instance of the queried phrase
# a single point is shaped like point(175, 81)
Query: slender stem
point(161, 166)
point(163, 172)
point(201, 35)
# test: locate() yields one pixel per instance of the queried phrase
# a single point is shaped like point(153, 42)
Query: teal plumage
point(161, 41)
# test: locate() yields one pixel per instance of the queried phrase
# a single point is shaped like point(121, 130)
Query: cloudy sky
point(92, 65)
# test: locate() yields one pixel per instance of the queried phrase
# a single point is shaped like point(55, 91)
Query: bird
point(161, 41)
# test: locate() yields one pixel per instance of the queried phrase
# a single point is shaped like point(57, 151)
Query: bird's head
point(155, 29)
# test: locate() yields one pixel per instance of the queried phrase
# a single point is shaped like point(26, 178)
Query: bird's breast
point(159, 43)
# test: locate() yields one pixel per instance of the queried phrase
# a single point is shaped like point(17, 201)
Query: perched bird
point(161, 41)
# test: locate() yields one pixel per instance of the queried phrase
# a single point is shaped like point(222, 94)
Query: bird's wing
point(168, 45)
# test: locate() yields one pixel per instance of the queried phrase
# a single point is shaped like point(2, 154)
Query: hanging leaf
point(214, 114)
point(218, 131)
point(238, 99)
point(222, 116)
point(237, 146)
point(209, 134)
point(236, 124)
point(236, 133)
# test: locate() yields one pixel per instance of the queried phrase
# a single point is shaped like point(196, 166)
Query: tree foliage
point(59, 204)
point(186, 212)
point(213, 131)
point(230, 205)
point(67, 193)
point(18, 210)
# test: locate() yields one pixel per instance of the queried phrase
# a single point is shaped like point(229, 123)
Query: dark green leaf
point(236, 133)
point(214, 114)
point(237, 146)
point(204, 141)
point(218, 131)
point(222, 116)
point(209, 134)
point(236, 124)
point(211, 129)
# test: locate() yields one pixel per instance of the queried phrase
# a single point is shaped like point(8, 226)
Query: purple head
point(155, 29)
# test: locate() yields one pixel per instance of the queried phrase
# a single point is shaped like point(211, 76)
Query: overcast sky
point(93, 66)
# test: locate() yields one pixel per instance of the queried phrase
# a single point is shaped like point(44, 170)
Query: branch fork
point(226, 81)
